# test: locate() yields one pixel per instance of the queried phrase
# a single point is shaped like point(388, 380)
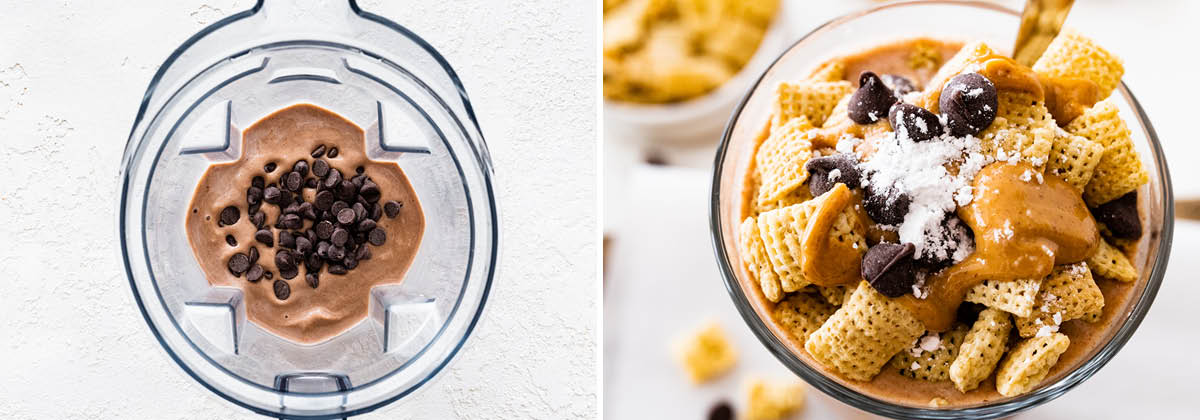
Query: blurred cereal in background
point(661, 51)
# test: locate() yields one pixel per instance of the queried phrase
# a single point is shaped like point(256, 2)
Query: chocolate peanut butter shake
point(304, 223)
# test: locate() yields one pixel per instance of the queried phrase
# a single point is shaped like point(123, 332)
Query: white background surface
point(661, 264)
point(72, 343)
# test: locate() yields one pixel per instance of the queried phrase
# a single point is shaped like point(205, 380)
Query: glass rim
point(1005, 407)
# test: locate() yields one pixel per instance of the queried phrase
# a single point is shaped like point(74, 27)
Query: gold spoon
point(1040, 23)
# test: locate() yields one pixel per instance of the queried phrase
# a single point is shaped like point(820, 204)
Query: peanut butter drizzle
point(1022, 230)
point(1067, 98)
point(826, 262)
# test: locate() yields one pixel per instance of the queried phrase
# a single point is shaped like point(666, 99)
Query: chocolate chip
point(360, 169)
point(259, 219)
point(366, 225)
point(377, 236)
point(345, 216)
point(323, 249)
point(307, 211)
point(253, 195)
point(255, 274)
point(301, 167)
point(311, 183)
point(291, 221)
point(943, 243)
point(282, 290)
point(914, 122)
point(340, 236)
point(265, 237)
point(888, 208)
point(337, 207)
point(286, 239)
point(889, 268)
point(1120, 216)
point(363, 253)
point(229, 239)
point(229, 216)
point(968, 312)
point(392, 208)
point(323, 200)
point(721, 411)
point(324, 229)
point(253, 254)
point(318, 152)
point(312, 280)
point(285, 197)
point(337, 269)
point(333, 152)
point(271, 194)
point(320, 168)
point(358, 180)
point(303, 245)
point(334, 178)
point(257, 182)
point(313, 263)
point(871, 101)
point(899, 85)
point(268, 275)
point(350, 262)
point(238, 264)
point(291, 209)
point(969, 102)
point(346, 190)
point(336, 253)
point(270, 167)
point(369, 191)
point(376, 212)
point(360, 211)
point(292, 181)
point(821, 171)
point(284, 260)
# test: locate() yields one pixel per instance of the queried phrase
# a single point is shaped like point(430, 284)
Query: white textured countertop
point(72, 343)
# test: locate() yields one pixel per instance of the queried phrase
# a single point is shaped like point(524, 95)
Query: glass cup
point(956, 20)
point(414, 111)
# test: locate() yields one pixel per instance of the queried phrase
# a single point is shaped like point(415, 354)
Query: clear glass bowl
point(957, 21)
point(415, 112)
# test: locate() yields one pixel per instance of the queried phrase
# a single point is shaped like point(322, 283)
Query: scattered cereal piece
point(981, 350)
point(931, 365)
point(767, 400)
point(813, 100)
point(1028, 363)
point(1120, 170)
point(801, 314)
point(707, 354)
point(1068, 293)
point(757, 261)
point(1016, 297)
point(1072, 55)
point(1073, 158)
point(1109, 262)
point(863, 334)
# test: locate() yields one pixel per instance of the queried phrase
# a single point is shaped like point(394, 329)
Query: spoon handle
point(1040, 23)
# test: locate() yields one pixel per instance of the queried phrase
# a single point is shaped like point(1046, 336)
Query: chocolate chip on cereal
point(889, 268)
point(312, 279)
point(377, 237)
point(265, 237)
point(392, 208)
point(888, 208)
point(229, 239)
point(871, 101)
point(970, 103)
point(899, 85)
point(826, 171)
point(229, 216)
point(255, 273)
point(318, 152)
point(1120, 216)
point(238, 264)
point(914, 122)
point(282, 290)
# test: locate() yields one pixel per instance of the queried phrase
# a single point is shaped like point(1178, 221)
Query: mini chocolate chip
point(285, 197)
point(350, 262)
point(346, 190)
point(254, 195)
point(324, 229)
point(229, 239)
point(303, 245)
point(336, 253)
point(392, 208)
point(320, 168)
point(229, 216)
point(259, 219)
point(271, 194)
point(282, 290)
point(313, 263)
point(337, 269)
point(365, 225)
point(1120, 216)
point(301, 167)
point(292, 181)
point(323, 200)
point(311, 183)
point(290, 273)
point(360, 169)
point(363, 253)
point(377, 236)
point(360, 211)
point(888, 208)
point(358, 180)
point(291, 209)
point(334, 178)
point(286, 239)
point(333, 152)
point(291, 221)
point(871, 101)
point(268, 275)
point(345, 216)
point(889, 268)
point(369, 191)
point(255, 274)
point(253, 254)
point(238, 264)
point(969, 102)
point(915, 122)
point(337, 207)
point(312, 280)
point(376, 212)
point(257, 182)
point(265, 237)
point(339, 237)
point(721, 411)
point(360, 237)
point(821, 169)
point(899, 85)
point(284, 260)
point(318, 152)
point(307, 211)
point(323, 249)
point(270, 167)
